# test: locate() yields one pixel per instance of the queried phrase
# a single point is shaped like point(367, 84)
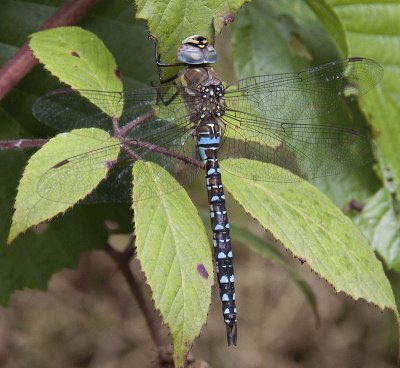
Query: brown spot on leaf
point(356, 58)
point(302, 260)
point(228, 18)
point(117, 73)
point(352, 131)
point(61, 163)
point(74, 53)
point(202, 271)
point(111, 225)
point(110, 164)
point(356, 206)
point(41, 227)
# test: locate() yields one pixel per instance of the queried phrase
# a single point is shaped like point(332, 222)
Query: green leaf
point(79, 58)
point(372, 30)
point(172, 21)
point(175, 255)
point(56, 177)
point(266, 47)
point(381, 225)
point(333, 25)
point(297, 20)
point(312, 228)
point(358, 184)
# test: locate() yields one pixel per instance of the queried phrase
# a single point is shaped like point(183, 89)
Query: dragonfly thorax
point(203, 93)
point(212, 101)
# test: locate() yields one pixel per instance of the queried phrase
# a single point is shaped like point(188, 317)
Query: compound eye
point(190, 54)
point(210, 55)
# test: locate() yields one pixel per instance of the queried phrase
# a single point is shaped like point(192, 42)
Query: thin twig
point(164, 151)
point(133, 155)
point(134, 123)
point(22, 144)
point(116, 128)
point(122, 260)
point(23, 61)
point(37, 143)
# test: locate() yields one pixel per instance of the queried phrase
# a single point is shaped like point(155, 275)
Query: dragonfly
point(192, 120)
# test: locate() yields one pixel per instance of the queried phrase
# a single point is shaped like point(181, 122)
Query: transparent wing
point(308, 94)
point(259, 118)
point(179, 159)
point(74, 174)
point(169, 143)
point(307, 150)
point(66, 109)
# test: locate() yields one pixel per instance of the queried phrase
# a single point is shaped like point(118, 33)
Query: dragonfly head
point(195, 50)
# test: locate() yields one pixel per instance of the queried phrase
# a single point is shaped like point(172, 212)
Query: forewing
point(308, 94)
point(67, 109)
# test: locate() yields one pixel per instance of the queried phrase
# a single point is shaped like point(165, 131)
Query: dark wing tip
point(356, 58)
point(363, 75)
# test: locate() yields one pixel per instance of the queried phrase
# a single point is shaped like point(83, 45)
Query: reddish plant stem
point(134, 123)
point(116, 128)
point(37, 143)
point(23, 61)
point(164, 151)
point(131, 154)
point(153, 323)
point(22, 144)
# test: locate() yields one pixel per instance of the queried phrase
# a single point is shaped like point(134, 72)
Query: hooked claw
point(231, 334)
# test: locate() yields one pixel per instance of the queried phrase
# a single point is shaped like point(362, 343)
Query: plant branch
point(23, 61)
point(164, 151)
point(37, 143)
point(122, 260)
point(133, 155)
point(22, 144)
point(134, 123)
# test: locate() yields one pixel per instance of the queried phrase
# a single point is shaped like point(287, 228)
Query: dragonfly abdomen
point(208, 143)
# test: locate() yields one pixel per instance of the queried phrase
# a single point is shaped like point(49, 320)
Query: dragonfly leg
point(160, 64)
point(167, 80)
point(170, 100)
point(116, 127)
point(213, 32)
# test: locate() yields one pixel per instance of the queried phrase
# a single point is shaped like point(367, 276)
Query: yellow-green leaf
point(60, 174)
point(307, 223)
point(175, 255)
point(80, 59)
point(380, 223)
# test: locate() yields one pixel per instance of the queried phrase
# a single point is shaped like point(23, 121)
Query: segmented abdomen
point(208, 143)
